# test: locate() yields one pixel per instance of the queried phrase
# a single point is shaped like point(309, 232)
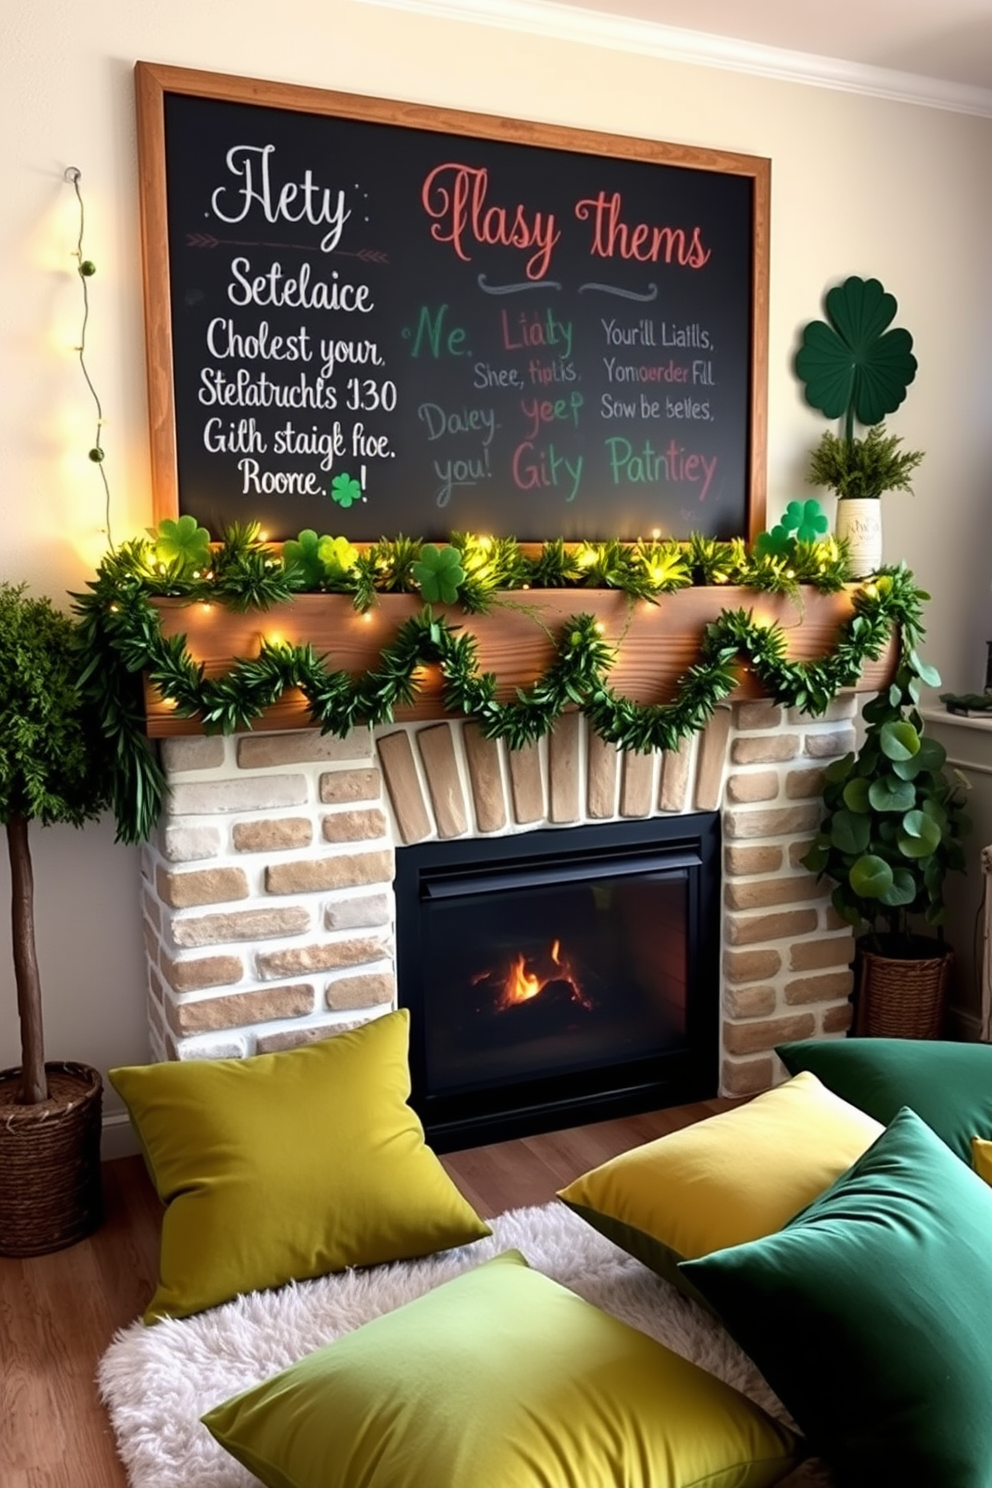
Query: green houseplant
point(856, 367)
point(859, 470)
point(863, 468)
point(892, 828)
point(51, 771)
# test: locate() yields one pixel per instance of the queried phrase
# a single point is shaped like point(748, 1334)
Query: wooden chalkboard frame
point(154, 81)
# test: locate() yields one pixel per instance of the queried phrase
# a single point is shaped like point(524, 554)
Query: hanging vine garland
point(121, 637)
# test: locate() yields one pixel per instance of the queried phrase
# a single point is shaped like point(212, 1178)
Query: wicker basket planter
point(50, 1183)
point(900, 997)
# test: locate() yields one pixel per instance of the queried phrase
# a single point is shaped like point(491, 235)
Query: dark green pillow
point(870, 1315)
point(949, 1085)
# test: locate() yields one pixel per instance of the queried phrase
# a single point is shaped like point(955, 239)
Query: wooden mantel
point(658, 642)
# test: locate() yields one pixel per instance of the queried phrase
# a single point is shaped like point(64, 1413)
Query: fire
point(520, 985)
point(523, 980)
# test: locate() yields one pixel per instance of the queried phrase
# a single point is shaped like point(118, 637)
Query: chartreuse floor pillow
point(948, 1084)
point(724, 1180)
point(500, 1378)
point(870, 1315)
point(981, 1156)
point(289, 1165)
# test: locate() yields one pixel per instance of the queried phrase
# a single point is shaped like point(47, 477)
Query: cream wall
point(859, 185)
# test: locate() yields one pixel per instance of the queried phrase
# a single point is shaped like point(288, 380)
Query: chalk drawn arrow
point(208, 240)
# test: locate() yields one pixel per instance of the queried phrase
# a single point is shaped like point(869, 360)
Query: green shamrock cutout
point(806, 520)
point(439, 573)
point(855, 367)
point(303, 553)
point(776, 543)
point(337, 555)
point(802, 521)
point(183, 543)
point(345, 490)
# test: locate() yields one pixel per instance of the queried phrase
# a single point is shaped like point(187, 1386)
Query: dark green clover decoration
point(802, 521)
point(855, 367)
point(345, 490)
point(439, 573)
point(183, 545)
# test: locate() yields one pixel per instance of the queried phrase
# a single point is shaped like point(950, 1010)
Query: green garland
point(121, 638)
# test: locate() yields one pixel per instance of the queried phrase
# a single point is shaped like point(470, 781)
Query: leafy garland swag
point(121, 636)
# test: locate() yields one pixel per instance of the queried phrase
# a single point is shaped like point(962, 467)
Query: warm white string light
point(86, 268)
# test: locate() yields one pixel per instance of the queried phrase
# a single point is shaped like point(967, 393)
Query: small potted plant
point(860, 471)
point(857, 367)
point(51, 771)
point(894, 818)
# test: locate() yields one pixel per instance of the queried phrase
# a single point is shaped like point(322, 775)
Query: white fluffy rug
point(158, 1381)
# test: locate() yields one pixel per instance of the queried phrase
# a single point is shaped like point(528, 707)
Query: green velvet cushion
point(870, 1315)
point(288, 1166)
point(949, 1085)
point(501, 1378)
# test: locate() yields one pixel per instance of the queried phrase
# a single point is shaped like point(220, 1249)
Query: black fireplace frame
point(467, 1119)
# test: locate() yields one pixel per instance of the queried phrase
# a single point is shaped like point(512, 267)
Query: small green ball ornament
point(96, 454)
point(87, 268)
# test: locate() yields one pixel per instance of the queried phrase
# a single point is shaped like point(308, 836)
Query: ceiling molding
point(673, 44)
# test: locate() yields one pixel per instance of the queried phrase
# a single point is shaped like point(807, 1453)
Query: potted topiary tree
point(51, 771)
point(894, 818)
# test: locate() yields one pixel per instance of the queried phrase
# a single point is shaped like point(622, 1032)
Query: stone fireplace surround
point(267, 889)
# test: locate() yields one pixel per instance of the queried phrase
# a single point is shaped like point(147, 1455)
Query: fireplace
point(559, 976)
point(270, 905)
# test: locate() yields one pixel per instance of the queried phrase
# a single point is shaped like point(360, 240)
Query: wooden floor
point(58, 1313)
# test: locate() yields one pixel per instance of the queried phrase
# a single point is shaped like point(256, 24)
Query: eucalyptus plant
point(894, 819)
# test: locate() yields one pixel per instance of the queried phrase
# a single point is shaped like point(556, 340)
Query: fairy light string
point(122, 639)
point(86, 268)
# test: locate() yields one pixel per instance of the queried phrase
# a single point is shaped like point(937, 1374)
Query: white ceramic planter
point(859, 520)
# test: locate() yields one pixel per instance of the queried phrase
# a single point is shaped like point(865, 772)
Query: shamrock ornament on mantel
point(182, 546)
point(439, 572)
point(802, 521)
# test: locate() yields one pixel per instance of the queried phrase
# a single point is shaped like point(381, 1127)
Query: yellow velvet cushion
point(289, 1165)
point(500, 1378)
point(728, 1179)
point(981, 1158)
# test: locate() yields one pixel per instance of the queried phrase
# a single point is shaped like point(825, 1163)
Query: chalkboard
point(370, 318)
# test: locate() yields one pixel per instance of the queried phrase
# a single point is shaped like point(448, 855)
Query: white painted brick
point(189, 844)
point(240, 793)
point(197, 752)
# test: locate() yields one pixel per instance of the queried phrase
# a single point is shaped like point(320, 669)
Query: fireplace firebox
point(560, 976)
